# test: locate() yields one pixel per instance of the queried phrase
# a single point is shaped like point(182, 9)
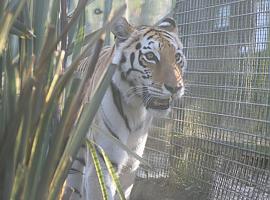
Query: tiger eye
point(150, 56)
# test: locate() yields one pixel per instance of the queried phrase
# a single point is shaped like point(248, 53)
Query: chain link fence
point(217, 138)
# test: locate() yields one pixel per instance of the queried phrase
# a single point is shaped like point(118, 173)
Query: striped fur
point(148, 80)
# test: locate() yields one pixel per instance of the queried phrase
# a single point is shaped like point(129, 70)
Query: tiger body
point(148, 79)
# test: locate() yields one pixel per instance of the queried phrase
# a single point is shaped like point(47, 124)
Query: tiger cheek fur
point(148, 79)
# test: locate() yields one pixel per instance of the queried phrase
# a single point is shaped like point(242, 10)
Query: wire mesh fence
point(218, 136)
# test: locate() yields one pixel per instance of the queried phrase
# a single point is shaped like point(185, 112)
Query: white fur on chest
point(133, 137)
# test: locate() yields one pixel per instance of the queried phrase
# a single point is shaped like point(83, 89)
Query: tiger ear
point(122, 29)
point(168, 24)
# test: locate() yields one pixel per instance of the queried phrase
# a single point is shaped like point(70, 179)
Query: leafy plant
point(42, 119)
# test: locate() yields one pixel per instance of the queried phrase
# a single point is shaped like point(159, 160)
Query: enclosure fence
point(217, 137)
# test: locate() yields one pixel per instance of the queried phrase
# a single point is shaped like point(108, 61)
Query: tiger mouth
point(159, 104)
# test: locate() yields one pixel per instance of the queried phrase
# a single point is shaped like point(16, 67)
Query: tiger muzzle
point(171, 89)
point(159, 104)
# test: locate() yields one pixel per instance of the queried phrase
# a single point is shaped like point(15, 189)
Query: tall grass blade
point(107, 13)
point(98, 168)
point(41, 140)
point(112, 173)
point(21, 170)
point(65, 126)
point(41, 10)
point(39, 132)
point(77, 12)
point(19, 27)
point(79, 39)
point(10, 14)
point(8, 141)
point(78, 134)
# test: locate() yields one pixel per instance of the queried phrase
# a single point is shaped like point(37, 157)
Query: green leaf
point(37, 130)
point(40, 20)
point(9, 137)
point(10, 14)
point(98, 168)
point(78, 133)
point(21, 30)
point(42, 137)
point(79, 36)
point(112, 173)
point(53, 44)
point(20, 172)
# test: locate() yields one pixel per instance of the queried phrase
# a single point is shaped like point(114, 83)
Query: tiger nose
point(173, 90)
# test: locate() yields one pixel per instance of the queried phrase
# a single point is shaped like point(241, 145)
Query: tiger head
point(152, 64)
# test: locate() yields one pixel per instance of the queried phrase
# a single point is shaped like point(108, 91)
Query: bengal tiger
point(148, 80)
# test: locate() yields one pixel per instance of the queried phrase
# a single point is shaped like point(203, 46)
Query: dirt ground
point(161, 189)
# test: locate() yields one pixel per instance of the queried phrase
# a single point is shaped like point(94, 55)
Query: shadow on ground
point(161, 189)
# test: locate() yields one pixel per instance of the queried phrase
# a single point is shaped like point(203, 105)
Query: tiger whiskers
point(137, 93)
point(148, 100)
point(157, 85)
point(139, 90)
point(135, 89)
point(144, 94)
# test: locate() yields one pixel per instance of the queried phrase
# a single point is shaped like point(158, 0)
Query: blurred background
point(139, 12)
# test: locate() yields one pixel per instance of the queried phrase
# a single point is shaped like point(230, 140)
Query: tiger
point(148, 80)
